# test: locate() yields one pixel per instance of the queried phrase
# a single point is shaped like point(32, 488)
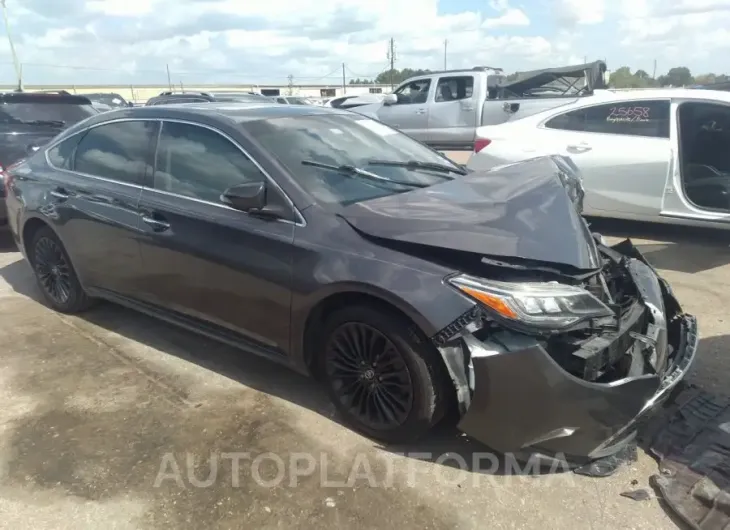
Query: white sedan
point(660, 155)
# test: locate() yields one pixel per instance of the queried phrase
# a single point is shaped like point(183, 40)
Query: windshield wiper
point(50, 123)
point(415, 164)
point(352, 171)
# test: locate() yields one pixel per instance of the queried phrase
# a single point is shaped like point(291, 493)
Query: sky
point(252, 41)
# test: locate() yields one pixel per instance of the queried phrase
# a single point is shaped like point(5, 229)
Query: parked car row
point(342, 248)
point(30, 119)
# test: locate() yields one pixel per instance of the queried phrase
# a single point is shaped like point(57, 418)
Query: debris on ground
point(693, 450)
point(605, 467)
point(637, 495)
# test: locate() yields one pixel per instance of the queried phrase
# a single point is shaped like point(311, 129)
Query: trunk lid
point(522, 210)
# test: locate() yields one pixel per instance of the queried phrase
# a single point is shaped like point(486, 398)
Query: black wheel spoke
point(369, 376)
point(53, 270)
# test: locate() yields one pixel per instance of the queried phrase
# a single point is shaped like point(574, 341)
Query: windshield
point(47, 112)
point(346, 140)
point(113, 100)
point(297, 101)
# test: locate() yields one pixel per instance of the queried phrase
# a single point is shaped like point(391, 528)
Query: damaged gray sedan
point(345, 249)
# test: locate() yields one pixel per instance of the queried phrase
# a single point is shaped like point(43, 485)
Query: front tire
point(383, 376)
point(55, 274)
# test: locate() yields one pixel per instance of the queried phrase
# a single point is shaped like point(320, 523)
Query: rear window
point(68, 113)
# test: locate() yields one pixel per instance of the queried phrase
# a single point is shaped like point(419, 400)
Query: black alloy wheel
point(55, 273)
point(53, 270)
point(369, 376)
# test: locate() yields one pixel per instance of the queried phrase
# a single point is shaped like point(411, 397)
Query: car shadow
point(674, 248)
point(7, 244)
point(445, 445)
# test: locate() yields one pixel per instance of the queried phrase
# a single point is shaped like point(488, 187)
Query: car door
point(452, 115)
point(205, 260)
point(96, 194)
point(623, 151)
point(410, 113)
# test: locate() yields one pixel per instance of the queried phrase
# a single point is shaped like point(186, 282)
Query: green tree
point(677, 77)
point(396, 76)
point(623, 78)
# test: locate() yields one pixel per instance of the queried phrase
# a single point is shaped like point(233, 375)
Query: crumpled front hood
point(516, 211)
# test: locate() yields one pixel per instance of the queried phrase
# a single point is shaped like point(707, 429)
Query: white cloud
point(581, 12)
point(242, 41)
point(511, 17)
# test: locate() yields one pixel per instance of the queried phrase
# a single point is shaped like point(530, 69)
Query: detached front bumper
point(523, 401)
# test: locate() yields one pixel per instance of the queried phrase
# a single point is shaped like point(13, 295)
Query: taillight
point(481, 143)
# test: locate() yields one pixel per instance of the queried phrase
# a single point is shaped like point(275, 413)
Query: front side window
point(200, 163)
point(348, 140)
point(633, 118)
point(413, 92)
point(119, 151)
point(454, 88)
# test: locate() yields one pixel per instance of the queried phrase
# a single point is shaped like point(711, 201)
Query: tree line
point(620, 78)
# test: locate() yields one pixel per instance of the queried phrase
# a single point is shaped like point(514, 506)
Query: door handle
point(420, 111)
point(579, 148)
point(157, 225)
point(60, 193)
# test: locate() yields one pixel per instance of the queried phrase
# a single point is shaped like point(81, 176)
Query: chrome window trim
point(269, 178)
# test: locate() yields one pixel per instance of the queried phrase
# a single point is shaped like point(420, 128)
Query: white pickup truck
point(444, 109)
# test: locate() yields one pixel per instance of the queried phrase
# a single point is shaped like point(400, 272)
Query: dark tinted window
point(61, 156)
point(68, 113)
point(454, 88)
point(633, 118)
point(345, 139)
point(200, 163)
point(119, 151)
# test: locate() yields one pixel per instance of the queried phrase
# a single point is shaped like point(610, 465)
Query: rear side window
point(196, 162)
point(68, 113)
point(119, 151)
point(454, 88)
point(61, 156)
point(634, 118)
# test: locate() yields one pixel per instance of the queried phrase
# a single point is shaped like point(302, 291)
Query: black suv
point(30, 119)
point(172, 98)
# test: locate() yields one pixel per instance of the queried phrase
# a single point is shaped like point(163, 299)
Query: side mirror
point(30, 149)
point(246, 197)
point(390, 99)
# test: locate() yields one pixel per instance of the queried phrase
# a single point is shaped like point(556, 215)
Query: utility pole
point(653, 73)
point(169, 80)
point(446, 44)
point(16, 63)
point(290, 77)
point(391, 58)
point(344, 86)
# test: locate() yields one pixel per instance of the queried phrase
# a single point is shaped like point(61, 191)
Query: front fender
point(420, 295)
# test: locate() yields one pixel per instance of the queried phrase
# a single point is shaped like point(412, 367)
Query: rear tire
point(55, 274)
point(382, 374)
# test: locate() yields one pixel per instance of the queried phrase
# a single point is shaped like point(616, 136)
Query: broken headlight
point(548, 305)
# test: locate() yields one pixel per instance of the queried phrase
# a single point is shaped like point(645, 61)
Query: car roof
point(43, 97)
point(238, 112)
point(657, 93)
